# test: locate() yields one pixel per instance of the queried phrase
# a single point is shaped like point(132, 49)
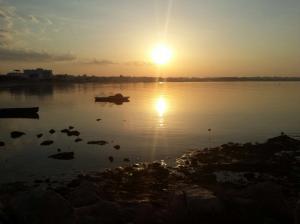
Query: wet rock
point(78, 140)
point(52, 131)
point(47, 142)
point(16, 134)
point(117, 147)
point(39, 135)
point(111, 159)
point(73, 133)
point(41, 207)
point(101, 142)
point(63, 156)
point(2, 144)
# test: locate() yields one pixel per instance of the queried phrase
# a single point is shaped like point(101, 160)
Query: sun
point(161, 54)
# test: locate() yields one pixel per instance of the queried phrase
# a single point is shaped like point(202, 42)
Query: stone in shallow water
point(78, 140)
point(16, 134)
point(52, 131)
point(39, 135)
point(117, 147)
point(2, 144)
point(73, 133)
point(101, 142)
point(47, 142)
point(63, 156)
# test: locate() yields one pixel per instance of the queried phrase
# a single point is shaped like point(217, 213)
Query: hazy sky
point(113, 37)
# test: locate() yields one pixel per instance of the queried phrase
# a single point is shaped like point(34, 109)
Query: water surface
point(161, 121)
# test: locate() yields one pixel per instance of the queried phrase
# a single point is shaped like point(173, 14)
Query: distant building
point(38, 73)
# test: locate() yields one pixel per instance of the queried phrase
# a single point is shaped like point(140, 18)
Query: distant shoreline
point(148, 79)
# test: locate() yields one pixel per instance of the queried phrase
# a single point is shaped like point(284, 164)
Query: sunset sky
point(114, 37)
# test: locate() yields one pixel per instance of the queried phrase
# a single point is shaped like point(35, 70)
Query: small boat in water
point(28, 112)
point(117, 99)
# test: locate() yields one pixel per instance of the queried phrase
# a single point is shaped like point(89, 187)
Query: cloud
point(102, 62)
point(138, 63)
point(8, 54)
point(105, 62)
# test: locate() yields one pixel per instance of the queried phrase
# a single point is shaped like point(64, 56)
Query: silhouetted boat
point(117, 99)
point(29, 112)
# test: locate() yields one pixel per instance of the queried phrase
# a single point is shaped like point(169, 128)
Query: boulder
point(40, 206)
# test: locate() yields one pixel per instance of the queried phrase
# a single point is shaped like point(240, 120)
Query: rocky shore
point(232, 183)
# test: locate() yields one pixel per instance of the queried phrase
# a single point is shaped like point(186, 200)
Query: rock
point(64, 131)
point(98, 119)
point(85, 194)
point(194, 204)
point(127, 160)
point(97, 142)
point(78, 140)
point(47, 142)
point(269, 200)
point(297, 213)
point(117, 147)
point(101, 212)
point(71, 127)
point(2, 144)
point(73, 133)
point(39, 135)
point(16, 134)
point(52, 131)
point(63, 156)
point(111, 159)
point(58, 150)
point(42, 207)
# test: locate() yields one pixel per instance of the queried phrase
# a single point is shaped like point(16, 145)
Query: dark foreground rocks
point(233, 183)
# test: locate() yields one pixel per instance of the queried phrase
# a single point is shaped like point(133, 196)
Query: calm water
point(161, 122)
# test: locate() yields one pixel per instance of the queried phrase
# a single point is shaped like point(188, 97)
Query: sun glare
point(161, 106)
point(161, 54)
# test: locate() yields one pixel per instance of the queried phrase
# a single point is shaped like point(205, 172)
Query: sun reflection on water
point(161, 107)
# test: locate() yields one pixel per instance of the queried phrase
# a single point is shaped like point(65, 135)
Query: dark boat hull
point(30, 112)
point(112, 99)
